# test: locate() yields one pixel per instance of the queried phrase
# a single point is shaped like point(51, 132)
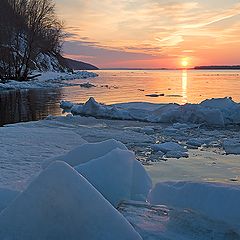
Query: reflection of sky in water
point(122, 86)
point(177, 86)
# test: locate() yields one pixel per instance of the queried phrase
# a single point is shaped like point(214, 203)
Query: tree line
point(27, 28)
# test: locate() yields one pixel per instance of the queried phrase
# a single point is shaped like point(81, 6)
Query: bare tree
point(32, 29)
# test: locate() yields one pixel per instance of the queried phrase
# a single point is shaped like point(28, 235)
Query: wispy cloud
point(150, 29)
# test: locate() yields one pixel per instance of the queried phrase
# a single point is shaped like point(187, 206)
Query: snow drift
point(217, 201)
point(212, 112)
point(87, 152)
point(118, 176)
point(60, 204)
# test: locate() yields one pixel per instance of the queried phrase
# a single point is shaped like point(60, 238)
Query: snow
point(24, 148)
point(118, 176)
point(61, 204)
point(217, 201)
point(87, 152)
point(211, 112)
point(49, 80)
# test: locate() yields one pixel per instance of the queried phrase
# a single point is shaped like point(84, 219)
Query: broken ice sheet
point(155, 222)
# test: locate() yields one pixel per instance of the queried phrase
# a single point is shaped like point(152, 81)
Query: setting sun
point(184, 62)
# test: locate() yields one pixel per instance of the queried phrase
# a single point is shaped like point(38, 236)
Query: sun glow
point(184, 62)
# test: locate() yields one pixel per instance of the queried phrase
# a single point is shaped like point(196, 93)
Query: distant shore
point(217, 67)
point(235, 67)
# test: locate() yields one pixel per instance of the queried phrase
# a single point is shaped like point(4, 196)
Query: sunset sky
point(152, 33)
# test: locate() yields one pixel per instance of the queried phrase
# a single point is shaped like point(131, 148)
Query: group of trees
point(27, 28)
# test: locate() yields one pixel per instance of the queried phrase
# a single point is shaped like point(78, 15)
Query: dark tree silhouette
point(27, 28)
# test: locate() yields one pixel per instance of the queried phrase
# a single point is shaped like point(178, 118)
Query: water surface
point(114, 86)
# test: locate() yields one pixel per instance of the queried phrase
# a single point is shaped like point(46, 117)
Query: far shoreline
point(213, 68)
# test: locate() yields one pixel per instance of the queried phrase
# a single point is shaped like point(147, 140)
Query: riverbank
point(48, 80)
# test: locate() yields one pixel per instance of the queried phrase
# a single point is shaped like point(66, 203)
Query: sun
point(184, 62)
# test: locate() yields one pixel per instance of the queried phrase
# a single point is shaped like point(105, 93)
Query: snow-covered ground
point(194, 169)
point(49, 80)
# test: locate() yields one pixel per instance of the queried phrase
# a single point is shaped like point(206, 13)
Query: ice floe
point(169, 146)
point(66, 104)
point(87, 152)
point(163, 222)
point(170, 150)
point(176, 154)
point(211, 112)
point(60, 204)
point(217, 201)
point(118, 176)
point(232, 146)
point(87, 85)
point(6, 197)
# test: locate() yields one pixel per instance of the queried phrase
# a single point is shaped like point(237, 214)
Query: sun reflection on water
point(184, 86)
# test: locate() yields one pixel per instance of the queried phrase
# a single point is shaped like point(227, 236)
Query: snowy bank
point(49, 80)
point(217, 201)
point(60, 204)
point(211, 112)
point(118, 176)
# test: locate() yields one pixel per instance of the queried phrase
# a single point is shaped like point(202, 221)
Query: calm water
point(122, 86)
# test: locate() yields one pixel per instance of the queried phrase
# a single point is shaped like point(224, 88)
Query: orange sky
point(152, 33)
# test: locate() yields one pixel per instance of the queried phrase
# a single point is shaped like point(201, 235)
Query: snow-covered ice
point(198, 142)
point(6, 197)
point(118, 176)
point(25, 147)
point(87, 152)
point(217, 201)
point(211, 112)
point(61, 204)
point(83, 142)
point(232, 146)
point(169, 146)
point(66, 104)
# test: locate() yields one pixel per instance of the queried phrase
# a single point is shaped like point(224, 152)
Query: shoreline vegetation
point(29, 32)
point(31, 39)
